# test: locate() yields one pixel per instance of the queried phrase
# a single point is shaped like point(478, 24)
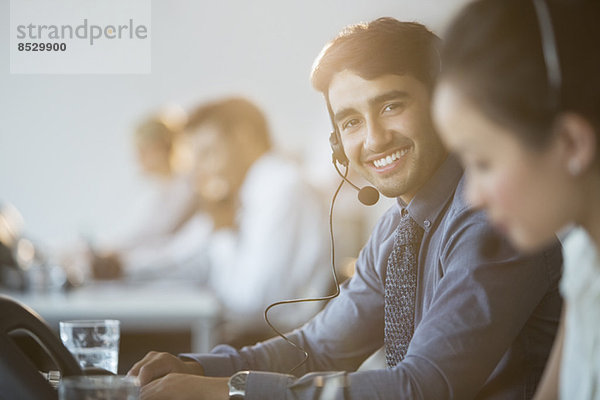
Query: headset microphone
point(367, 195)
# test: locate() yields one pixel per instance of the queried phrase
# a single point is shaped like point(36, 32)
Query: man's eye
point(350, 123)
point(392, 107)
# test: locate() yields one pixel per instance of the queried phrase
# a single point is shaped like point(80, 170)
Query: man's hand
point(186, 387)
point(156, 365)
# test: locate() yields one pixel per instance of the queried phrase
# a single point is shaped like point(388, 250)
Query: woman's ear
point(577, 136)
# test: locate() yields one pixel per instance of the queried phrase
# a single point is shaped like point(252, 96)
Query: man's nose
point(378, 136)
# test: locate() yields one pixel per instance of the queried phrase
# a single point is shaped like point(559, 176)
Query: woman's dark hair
point(380, 47)
point(493, 52)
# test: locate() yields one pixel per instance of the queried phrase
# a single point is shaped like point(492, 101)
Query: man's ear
point(578, 138)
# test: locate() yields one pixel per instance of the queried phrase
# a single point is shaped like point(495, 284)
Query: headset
point(549, 51)
point(367, 195)
point(338, 155)
point(312, 299)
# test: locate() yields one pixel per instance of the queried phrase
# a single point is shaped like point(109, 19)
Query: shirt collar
point(430, 200)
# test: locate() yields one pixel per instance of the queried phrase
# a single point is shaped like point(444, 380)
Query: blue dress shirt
point(484, 326)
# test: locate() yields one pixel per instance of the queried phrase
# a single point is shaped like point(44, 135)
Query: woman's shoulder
point(581, 264)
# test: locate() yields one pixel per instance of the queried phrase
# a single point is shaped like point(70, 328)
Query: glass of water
point(93, 343)
point(99, 387)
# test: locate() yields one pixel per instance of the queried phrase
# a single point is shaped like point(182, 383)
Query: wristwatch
point(237, 385)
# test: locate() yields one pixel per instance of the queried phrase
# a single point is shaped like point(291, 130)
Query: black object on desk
point(20, 378)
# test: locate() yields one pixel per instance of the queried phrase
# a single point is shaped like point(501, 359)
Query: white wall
point(66, 159)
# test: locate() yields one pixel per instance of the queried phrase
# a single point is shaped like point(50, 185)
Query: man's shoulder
point(460, 211)
point(467, 227)
point(459, 203)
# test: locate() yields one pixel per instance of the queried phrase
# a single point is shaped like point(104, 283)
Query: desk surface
point(148, 306)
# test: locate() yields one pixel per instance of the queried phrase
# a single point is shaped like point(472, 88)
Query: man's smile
point(383, 163)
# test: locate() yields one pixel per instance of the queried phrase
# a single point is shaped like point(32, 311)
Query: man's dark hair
point(380, 47)
point(226, 114)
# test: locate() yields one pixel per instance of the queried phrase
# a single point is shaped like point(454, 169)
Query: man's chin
point(391, 186)
point(391, 192)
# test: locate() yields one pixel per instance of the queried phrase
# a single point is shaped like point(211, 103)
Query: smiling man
point(455, 323)
point(386, 130)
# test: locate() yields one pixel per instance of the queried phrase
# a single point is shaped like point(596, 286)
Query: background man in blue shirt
point(483, 324)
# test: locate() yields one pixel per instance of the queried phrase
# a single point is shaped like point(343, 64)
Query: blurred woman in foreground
point(519, 102)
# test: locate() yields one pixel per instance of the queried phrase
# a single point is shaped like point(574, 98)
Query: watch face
point(237, 385)
point(238, 380)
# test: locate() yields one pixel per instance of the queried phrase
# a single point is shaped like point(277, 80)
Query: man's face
point(387, 131)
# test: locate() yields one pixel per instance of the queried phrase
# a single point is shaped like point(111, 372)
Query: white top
point(580, 286)
point(280, 250)
point(158, 211)
point(161, 234)
point(177, 255)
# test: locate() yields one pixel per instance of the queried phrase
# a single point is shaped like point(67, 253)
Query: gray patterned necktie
point(401, 289)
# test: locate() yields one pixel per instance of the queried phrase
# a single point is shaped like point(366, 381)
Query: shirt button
point(427, 223)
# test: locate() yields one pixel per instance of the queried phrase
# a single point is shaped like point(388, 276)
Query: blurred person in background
point(260, 232)
point(146, 242)
point(268, 238)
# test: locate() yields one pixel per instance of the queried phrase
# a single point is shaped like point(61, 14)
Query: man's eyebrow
point(343, 113)
point(387, 96)
point(391, 95)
